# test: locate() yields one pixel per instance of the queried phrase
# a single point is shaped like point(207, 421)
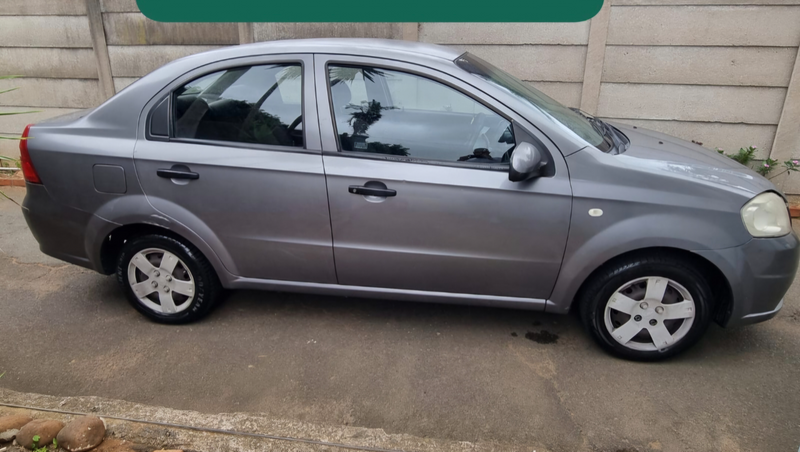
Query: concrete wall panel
point(48, 62)
point(136, 29)
point(730, 104)
point(44, 31)
point(42, 7)
point(700, 65)
point(9, 148)
point(729, 137)
point(121, 83)
point(789, 183)
point(136, 61)
point(705, 25)
point(14, 124)
point(535, 63)
point(119, 6)
point(57, 93)
point(273, 30)
point(504, 33)
point(568, 94)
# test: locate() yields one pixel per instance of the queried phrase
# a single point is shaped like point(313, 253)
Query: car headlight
point(766, 215)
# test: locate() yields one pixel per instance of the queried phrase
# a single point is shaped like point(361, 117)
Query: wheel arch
point(114, 241)
point(720, 286)
point(125, 216)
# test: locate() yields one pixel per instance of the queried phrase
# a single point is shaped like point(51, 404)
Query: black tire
point(597, 293)
point(207, 289)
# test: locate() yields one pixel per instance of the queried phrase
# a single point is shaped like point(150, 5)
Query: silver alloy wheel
point(161, 281)
point(650, 313)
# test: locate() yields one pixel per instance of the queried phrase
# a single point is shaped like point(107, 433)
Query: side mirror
point(526, 162)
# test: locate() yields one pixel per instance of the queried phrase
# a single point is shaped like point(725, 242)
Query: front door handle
point(372, 189)
point(174, 173)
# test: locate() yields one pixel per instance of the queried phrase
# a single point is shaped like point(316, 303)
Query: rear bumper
point(60, 230)
point(760, 273)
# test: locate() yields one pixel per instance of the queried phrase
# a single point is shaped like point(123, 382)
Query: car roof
point(350, 46)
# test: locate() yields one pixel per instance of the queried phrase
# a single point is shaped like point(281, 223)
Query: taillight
point(27, 166)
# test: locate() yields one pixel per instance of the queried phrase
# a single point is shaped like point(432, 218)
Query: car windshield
point(581, 125)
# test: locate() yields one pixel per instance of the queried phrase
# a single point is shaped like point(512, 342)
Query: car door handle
point(372, 191)
point(177, 174)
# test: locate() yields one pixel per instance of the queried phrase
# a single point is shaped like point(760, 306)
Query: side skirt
point(533, 304)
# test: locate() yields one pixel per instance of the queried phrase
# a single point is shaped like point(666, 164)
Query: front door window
point(381, 111)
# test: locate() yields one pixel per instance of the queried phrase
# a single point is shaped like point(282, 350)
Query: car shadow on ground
point(248, 306)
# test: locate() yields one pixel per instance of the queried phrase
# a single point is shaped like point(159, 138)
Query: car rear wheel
point(166, 280)
point(647, 308)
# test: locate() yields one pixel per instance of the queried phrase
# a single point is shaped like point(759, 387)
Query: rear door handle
point(177, 174)
point(383, 192)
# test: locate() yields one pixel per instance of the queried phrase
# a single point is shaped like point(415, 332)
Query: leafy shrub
point(746, 156)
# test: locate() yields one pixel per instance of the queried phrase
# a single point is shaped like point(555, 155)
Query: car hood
point(651, 150)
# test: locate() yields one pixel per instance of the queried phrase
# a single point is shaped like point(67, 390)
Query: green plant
point(4, 160)
point(746, 156)
point(36, 448)
point(789, 167)
point(8, 113)
point(766, 166)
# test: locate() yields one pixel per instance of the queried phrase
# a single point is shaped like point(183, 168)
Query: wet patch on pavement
point(542, 337)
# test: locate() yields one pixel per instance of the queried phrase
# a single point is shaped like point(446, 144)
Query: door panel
point(262, 207)
point(448, 228)
point(267, 209)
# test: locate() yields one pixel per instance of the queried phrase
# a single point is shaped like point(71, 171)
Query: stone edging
point(179, 438)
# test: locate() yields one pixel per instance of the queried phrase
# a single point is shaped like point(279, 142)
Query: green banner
point(383, 11)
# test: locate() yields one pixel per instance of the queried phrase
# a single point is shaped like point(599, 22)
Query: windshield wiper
point(606, 130)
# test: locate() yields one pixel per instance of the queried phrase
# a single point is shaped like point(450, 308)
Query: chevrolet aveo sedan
point(388, 169)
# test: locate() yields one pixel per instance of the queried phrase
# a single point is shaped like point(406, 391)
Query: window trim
point(148, 124)
point(244, 145)
point(400, 159)
point(203, 71)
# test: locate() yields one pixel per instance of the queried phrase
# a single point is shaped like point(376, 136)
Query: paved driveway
point(450, 372)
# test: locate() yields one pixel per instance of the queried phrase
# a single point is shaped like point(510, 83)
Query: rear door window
point(254, 104)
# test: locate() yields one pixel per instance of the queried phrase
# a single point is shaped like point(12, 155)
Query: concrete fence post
point(246, 35)
point(787, 136)
point(409, 31)
point(595, 58)
point(98, 34)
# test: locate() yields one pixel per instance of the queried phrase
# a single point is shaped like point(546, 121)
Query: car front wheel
point(647, 308)
point(166, 280)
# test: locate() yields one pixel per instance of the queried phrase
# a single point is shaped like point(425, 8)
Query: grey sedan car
point(388, 169)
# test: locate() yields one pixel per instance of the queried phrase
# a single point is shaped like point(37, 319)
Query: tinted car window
point(159, 119)
point(576, 122)
point(408, 115)
point(255, 104)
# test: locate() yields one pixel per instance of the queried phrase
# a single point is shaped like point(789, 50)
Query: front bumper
point(760, 273)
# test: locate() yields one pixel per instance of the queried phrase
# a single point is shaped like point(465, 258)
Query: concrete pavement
point(431, 371)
